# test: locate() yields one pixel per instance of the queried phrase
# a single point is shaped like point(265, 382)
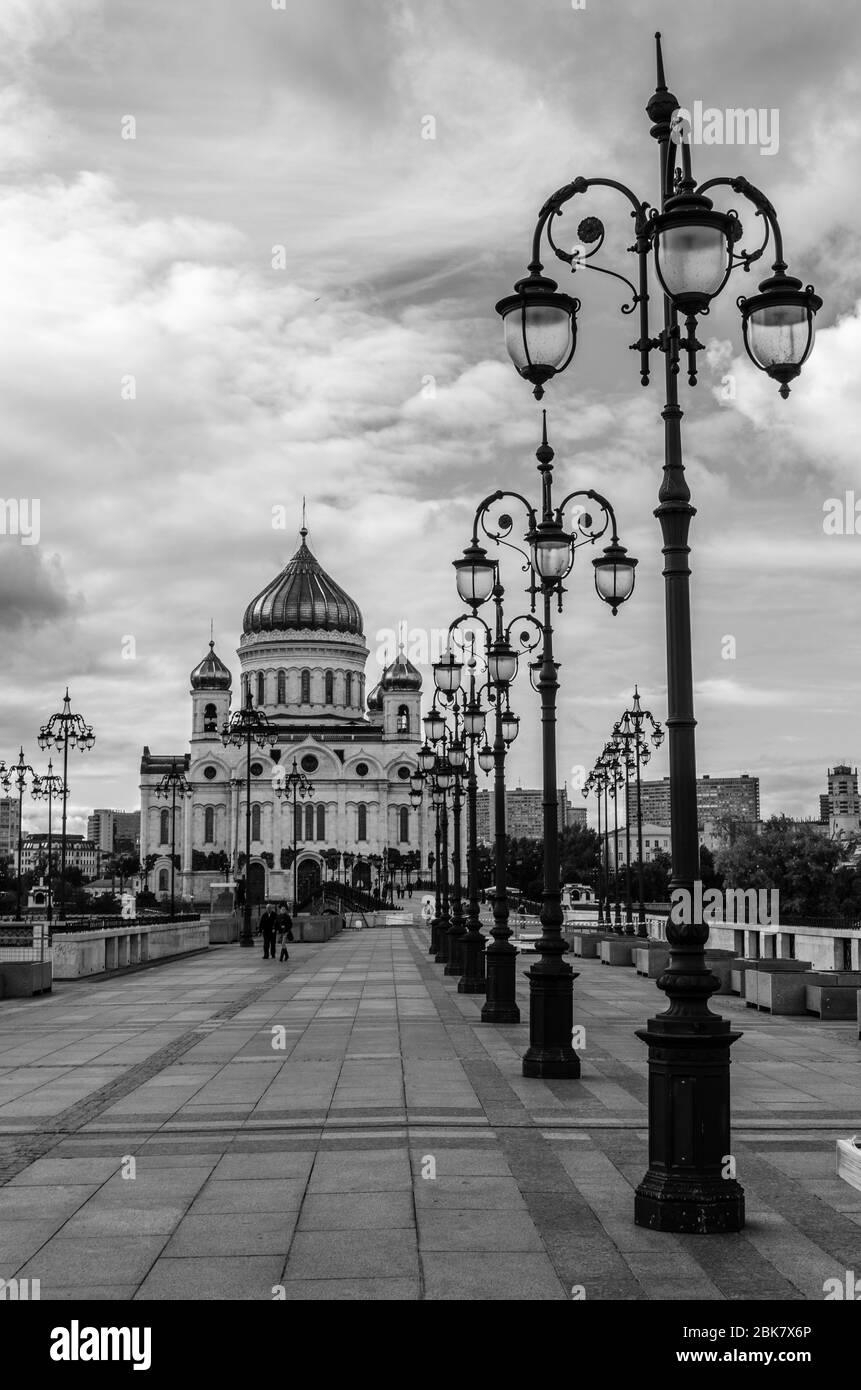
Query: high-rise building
point(9, 821)
point(107, 828)
point(524, 813)
point(717, 797)
point(844, 803)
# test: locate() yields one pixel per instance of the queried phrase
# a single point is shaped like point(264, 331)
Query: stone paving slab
point(389, 1146)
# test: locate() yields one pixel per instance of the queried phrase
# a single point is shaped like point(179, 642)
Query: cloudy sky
point(280, 287)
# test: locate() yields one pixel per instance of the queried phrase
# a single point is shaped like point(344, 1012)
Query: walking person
point(285, 931)
point(268, 926)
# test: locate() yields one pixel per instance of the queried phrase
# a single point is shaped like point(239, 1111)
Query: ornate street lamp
point(471, 571)
point(64, 730)
point(550, 555)
point(20, 774)
point(172, 785)
point(696, 249)
point(295, 786)
point(48, 786)
point(447, 781)
point(631, 731)
point(248, 726)
point(593, 786)
point(466, 943)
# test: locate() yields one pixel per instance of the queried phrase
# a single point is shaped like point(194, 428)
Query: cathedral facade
point(302, 657)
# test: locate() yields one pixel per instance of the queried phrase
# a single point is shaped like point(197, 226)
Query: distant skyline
point(280, 287)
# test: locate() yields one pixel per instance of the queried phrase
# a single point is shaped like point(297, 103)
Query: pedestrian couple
point(274, 924)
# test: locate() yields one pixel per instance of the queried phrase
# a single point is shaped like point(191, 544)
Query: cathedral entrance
point(362, 876)
point(256, 883)
point(307, 879)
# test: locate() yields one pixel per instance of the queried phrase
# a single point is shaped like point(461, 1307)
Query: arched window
point(363, 822)
point(309, 822)
point(298, 826)
point(330, 688)
point(403, 825)
point(321, 822)
point(348, 689)
point(162, 880)
point(306, 687)
point(261, 688)
point(209, 825)
point(403, 720)
point(255, 822)
point(164, 831)
point(210, 719)
point(282, 687)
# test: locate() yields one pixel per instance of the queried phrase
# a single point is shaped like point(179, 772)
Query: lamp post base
point(695, 1207)
point(552, 1063)
point(551, 1022)
point(690, 1187)
point(454, 964)
point(501, 1003)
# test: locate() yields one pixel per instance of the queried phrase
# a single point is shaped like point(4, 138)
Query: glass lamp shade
point(778, 327)
point(444, 774)
point(485, 758)
point(501, 663)
point(658, 737)
point(510, 726)
point(457, 755)
point(540, 329)
point(415, 800)
point(437, 797)
point(473, 722)
point(426, 757)
point(434, 726)
point(552, 552)
point(44, 740)
point(447, 673)
point(614, 575)
point(416, 782)
point(692, 251)
point(475, 576)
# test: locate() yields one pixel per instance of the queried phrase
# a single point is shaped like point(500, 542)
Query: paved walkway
point(347, 1128)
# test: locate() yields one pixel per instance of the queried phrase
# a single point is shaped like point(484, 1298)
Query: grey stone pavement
point(298, 1158)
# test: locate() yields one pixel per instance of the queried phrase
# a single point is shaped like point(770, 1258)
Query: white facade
point(302, 656)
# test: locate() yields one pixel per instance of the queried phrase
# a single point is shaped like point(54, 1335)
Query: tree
point(791, 859)
point(579, 854)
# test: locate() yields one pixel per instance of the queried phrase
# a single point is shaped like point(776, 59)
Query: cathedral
point(302, 656)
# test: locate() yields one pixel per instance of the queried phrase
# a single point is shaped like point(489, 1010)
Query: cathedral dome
point(302, 597)
point(401, 674)
point(211, 674)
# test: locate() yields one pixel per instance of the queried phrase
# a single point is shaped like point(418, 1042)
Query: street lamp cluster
point(620, 763)
point(456, 742)
point(692, 248)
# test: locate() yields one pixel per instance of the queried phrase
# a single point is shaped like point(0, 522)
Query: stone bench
point(619, 950)
point(777, 986)
point(651, 958)
point(833, 993)
point(317, 929)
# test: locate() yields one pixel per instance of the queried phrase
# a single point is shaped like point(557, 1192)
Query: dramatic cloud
point(283, 286)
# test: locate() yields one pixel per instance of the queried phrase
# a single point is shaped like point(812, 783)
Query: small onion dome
point(211, 674)
point(375, 700)
point(401, 674)
point(302, 596)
